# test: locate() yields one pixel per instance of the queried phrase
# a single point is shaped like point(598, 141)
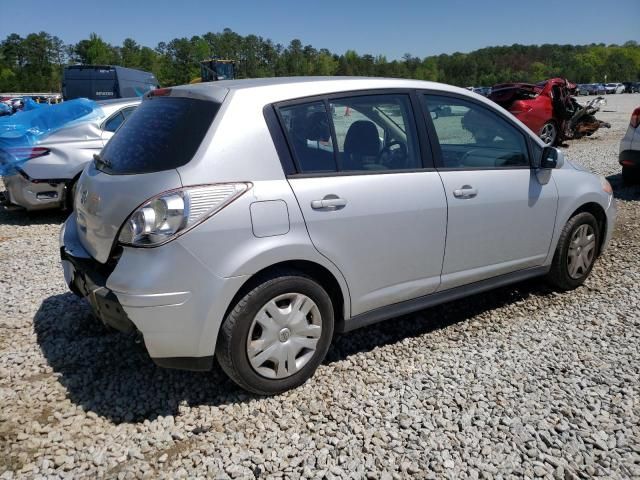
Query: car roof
point(283, 88)
point(119, 101)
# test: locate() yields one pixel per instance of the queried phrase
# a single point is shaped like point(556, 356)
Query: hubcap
point(548, 134)
point(284, 335)
point(582, 249)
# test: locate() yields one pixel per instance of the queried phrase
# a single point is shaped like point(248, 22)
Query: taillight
point(27, 153)
point(160, 92)
point(635, 118)
point(170, 214)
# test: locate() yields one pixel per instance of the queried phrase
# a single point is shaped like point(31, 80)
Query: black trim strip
point(427, 301)
point(279, 141)
point(195, 364)
point(358, 172)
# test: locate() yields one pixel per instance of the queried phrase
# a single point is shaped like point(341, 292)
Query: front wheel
point(549, 134)
point(576, 252)
point(277, 334)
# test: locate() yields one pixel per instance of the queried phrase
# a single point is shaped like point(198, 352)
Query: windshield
point(163, 133)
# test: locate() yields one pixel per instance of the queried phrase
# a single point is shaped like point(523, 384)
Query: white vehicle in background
point(614, 88)
point(46, 173)
point(629, 156)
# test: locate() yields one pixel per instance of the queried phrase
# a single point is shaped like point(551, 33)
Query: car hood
point(103, 202)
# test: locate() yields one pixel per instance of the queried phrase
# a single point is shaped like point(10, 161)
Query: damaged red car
point(549, 109)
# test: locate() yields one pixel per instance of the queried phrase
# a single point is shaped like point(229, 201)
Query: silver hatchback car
point(251, 220)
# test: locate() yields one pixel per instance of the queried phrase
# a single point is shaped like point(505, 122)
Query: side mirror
point(550, 158)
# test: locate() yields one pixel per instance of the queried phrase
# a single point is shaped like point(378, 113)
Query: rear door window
point(376, 133)
point(364, 133)
point(161, 134)
point(114, 122)
point(309, 131)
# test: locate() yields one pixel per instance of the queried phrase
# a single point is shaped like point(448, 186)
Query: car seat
point(361, 145)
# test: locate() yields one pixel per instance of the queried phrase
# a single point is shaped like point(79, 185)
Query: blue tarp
point(22, 130)
point(30, 104)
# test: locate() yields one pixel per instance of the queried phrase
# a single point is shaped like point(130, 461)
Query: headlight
point(606, 186)
point(173, 213)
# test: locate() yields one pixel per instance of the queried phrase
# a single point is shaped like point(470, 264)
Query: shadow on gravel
point(432, 319)
point(622, 191)
point(20, 217)
point(108, 373)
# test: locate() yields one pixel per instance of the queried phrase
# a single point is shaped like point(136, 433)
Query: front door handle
point(329, 202)
point(466, 191)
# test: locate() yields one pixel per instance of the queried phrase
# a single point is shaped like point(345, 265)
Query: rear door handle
point(330, 202)
point(466, 191)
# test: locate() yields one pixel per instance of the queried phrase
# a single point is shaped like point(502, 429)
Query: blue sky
point(385, 27)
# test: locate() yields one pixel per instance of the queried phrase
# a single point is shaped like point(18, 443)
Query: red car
point(543, 107)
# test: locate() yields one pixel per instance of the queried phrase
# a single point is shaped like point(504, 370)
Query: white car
point(629, 156)
point(53, 165)
point(252, 219)
point(614, 88)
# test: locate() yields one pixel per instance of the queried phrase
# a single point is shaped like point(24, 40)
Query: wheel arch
point(598, 212)
point(318, 272)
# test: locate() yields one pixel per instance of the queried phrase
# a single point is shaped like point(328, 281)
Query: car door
point(500, 217)
point(369, 203)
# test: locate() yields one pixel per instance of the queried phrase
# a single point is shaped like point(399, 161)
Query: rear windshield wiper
point(101, 161)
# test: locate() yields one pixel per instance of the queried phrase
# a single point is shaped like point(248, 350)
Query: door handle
point(330, 202)
point(466, 191)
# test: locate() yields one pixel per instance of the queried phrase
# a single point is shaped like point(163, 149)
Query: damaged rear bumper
point(34, 194)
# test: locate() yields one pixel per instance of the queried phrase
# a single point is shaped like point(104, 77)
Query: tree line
point(35, 62)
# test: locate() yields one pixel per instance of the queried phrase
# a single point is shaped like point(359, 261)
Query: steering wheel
point(396, 155)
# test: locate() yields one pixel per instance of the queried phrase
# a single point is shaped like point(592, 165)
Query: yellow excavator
point(214, 69)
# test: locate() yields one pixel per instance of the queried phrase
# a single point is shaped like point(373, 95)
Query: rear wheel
point(576, 252)
point(549, 133)
point(277, 334)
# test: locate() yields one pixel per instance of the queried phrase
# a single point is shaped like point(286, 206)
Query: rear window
point(163, 133)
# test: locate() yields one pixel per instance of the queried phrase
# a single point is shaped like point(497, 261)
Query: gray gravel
point(519, 382)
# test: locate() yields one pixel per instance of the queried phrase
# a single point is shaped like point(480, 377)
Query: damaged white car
point(42, 155)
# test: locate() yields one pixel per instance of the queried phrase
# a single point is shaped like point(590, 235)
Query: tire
point(563, 274)
point(247, 348)
point(630, 175)
point(549, 133)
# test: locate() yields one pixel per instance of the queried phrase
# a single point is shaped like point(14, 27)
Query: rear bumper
point(165, 293)
point(629, 158)
point(34, 194)
point(85, 280)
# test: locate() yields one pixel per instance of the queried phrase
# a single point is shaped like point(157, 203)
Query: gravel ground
point(519, 382)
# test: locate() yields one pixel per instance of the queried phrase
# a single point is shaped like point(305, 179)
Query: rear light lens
point(21, 154)
point(160, 92)
point(635, 118)
point(606, 186)
point(171, 214)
